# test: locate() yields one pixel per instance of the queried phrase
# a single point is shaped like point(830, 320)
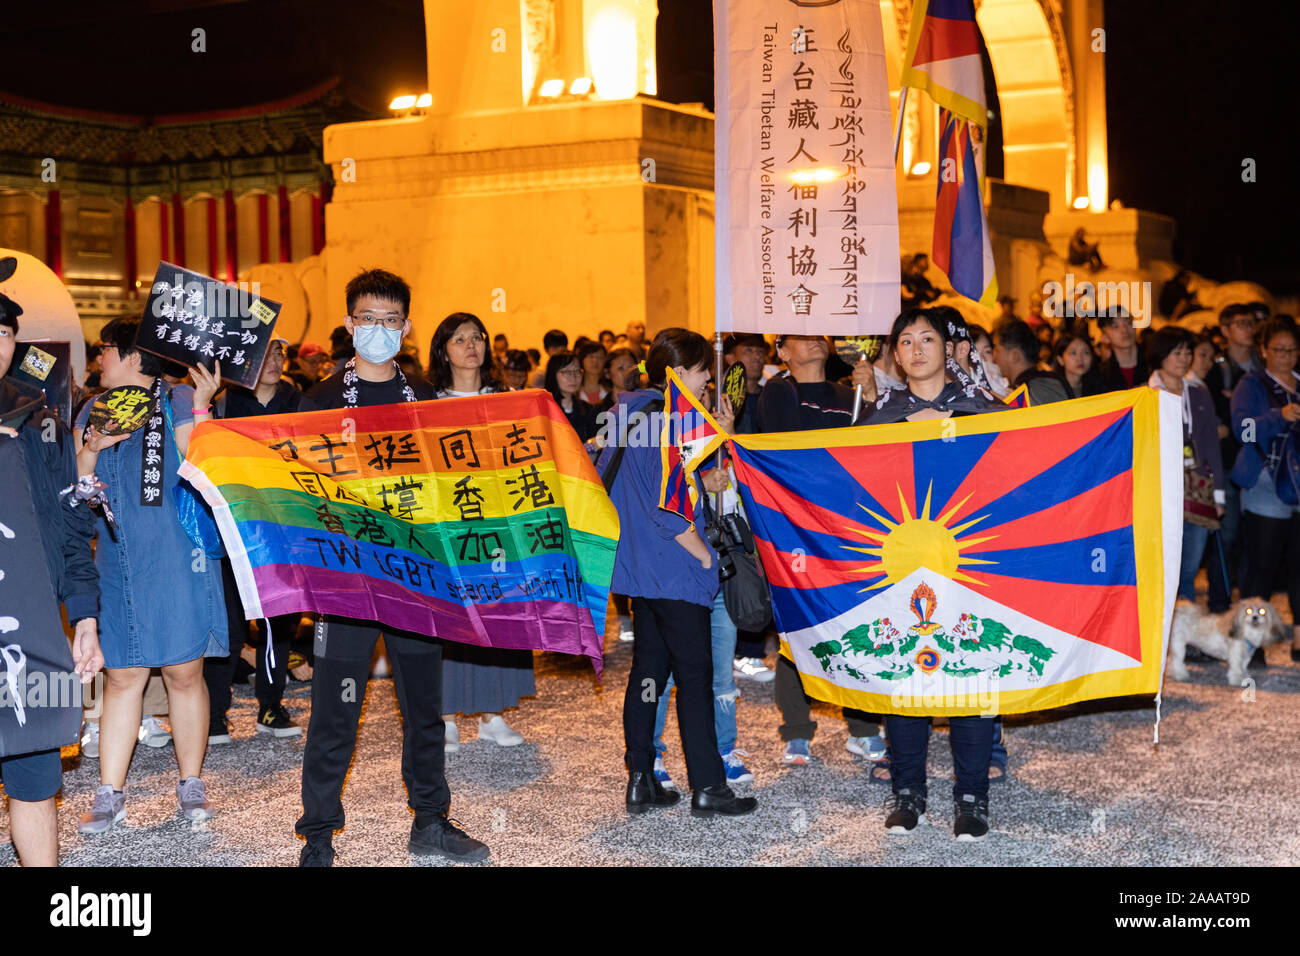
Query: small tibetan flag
point(690, 435)
point(1019, 398)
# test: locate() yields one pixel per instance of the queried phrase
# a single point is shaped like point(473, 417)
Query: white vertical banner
point(806, 203)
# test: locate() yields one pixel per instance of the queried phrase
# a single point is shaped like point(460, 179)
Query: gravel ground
point(1086, 787)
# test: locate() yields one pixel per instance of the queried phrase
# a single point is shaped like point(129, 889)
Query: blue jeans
point(724, 683)
point(971, 739)
point(1194, 538)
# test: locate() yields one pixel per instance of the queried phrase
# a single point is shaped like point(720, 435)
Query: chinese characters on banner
point(807, 208)
point(479, 520)
point(196, 320)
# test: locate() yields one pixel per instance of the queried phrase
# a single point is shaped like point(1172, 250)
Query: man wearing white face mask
point(378, 302)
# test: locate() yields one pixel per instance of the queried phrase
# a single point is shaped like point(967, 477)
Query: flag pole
point(717, 384)
point(898, 123)
point(898, 141)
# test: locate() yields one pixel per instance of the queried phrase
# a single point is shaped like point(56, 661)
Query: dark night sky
point(1189, 95)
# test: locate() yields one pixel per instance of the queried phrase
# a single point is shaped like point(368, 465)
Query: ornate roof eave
point(297, 122)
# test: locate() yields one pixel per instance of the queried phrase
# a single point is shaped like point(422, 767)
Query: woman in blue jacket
point(668, 569)
point(1266, 419)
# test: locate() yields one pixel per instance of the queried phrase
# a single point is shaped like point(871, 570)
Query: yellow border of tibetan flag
point(1151, 538)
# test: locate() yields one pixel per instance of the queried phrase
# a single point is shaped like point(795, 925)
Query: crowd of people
point(1236, 382)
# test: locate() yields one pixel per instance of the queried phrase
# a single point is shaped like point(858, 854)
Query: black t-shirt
point(785, 405)
point(329, 393)
point(243, 403)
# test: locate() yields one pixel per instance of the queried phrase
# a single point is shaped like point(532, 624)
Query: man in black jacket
point(801, 400)
point(1015, 350)
point(378, 304)
point(1125, 367)
point(32, 780)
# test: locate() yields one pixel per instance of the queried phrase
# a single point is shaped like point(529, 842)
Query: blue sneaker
point(737, 772)
point(873, 748)
point(798, 753)
point(661, 775)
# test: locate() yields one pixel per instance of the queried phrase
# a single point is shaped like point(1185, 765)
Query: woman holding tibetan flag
point(921, 347)
point(670, 571)
point(148, 572)
point(475, 680)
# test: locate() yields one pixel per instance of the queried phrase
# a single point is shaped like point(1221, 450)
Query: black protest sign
point(733, 386)
point(40, 694)
point(851, 348)
point(48, 366)
point(196, 320)
point(122, 409)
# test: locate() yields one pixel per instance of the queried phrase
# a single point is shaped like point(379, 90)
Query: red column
point(263, 227)
point(54, 232)
point(178, 229)
point(232, 237)
point(212, 236)
point(128, 240)
point(286, 233)
point(318, 215)
point(164, 236)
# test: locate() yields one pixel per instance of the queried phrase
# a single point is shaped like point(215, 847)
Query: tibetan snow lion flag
point(479, 520)
point(943, 58)
point(996, 563)
point(689, 435)
point(1018, 398)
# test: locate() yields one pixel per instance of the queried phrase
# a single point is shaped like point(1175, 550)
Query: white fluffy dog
point(1230, 637)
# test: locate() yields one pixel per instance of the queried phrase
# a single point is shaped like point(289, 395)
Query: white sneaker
point(90, 739)
point(752, 668)
point(872, 748)
point(499, 732)
point(451, 742)
point(153, 733)
point(625, 630)
point(380, 668)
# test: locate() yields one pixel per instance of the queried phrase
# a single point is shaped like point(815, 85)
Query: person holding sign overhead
point(149, 567)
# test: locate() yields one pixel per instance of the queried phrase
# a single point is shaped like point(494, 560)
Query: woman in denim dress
point(162, 603)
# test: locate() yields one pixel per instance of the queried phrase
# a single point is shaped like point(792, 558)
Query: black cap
point(9, 312)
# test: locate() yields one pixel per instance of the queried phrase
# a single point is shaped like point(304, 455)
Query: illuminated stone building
point(540, 182)
point(544, 185)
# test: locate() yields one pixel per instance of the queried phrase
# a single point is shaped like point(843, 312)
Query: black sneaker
point(218, 732)
point(971, 818)
point(443, 837)
point(317, 853)
point(906, 812)
point(276, 721)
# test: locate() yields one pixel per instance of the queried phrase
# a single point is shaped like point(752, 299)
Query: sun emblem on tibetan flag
point(909, 543)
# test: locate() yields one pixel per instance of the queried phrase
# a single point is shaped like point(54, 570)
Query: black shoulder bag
point(744, 588)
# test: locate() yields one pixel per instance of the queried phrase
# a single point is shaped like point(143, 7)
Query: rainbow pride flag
point(479, 520)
